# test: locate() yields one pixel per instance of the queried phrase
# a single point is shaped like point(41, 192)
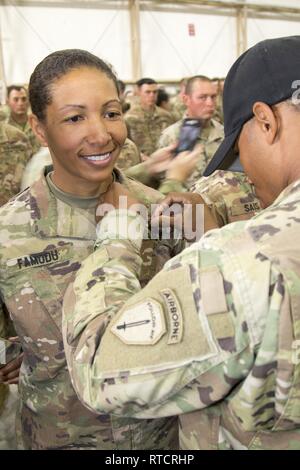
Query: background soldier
point(178, 106)
point(15, 151)
point(200, 100)
point(145, 120)
point(17, 101)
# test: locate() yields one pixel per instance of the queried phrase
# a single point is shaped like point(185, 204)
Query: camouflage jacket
point(229, 195)
point(129, 156)
point(145, 127)
point(4, 112)
point(210, 137)
point(35, 144)
point(42, 244)
point(214, 337)
point(219, 113)
point(15, 151)
point(178, 107)
point(3, 346)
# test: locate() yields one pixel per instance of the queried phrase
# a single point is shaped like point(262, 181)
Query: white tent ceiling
point(164, 48)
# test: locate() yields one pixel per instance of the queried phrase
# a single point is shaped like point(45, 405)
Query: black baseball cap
point(267, 72)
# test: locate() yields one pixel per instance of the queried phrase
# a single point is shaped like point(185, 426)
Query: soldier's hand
point(9, 374)
point(160, 160)
point(144, 157)
point(181, 211)
point(117, 197)
point(183, 165)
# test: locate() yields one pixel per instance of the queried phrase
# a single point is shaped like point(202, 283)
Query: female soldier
point(45, 233)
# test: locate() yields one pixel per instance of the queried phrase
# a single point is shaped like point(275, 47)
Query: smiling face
point(84, 130)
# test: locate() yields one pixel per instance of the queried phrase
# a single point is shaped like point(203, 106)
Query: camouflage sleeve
point(112, 270)
point(168, 186)
point(166, 139)
point(178, 345)
point(8, 350)
point(139, 172)
point(229, 195)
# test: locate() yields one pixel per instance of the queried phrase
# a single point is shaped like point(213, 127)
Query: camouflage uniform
point(26, 128)
point(129, 155)
point(8, 393)
point(220, 191)
point(4, 112)
point(145, 127)
point(210, 137)
point(3, 388)
point(219, 113)
point(218, 337)
point(15, 151)
point(8, 418)
point(43, 241)
point(229, 195)
point(178, 107)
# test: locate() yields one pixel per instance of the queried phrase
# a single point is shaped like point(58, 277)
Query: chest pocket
point(33, 292)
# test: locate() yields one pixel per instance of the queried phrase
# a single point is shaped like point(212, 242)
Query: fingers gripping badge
point(142, 323)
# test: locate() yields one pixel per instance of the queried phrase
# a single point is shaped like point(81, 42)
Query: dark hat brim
point(225, 152)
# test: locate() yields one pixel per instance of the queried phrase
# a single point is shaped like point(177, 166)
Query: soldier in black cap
point(215, 336)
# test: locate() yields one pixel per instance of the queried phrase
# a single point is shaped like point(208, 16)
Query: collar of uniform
point(48, 218)
point(44, 206)
point(23, 127)
point(215, 131)
point(78, 202)
point(144, 194)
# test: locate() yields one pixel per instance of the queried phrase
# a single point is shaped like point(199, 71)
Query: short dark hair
point(192, 80)
point(53, 67)
point(162, 96)
point(121, 86)
point(10, 88)
point(145, 81)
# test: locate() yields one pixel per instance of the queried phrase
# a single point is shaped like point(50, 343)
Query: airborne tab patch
point(175, 316)
point(142, 323)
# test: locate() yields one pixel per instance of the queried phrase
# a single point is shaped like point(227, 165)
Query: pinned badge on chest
point(141, 324)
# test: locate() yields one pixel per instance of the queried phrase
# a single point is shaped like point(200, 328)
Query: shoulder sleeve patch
point(183, 337)
point(142, 323)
